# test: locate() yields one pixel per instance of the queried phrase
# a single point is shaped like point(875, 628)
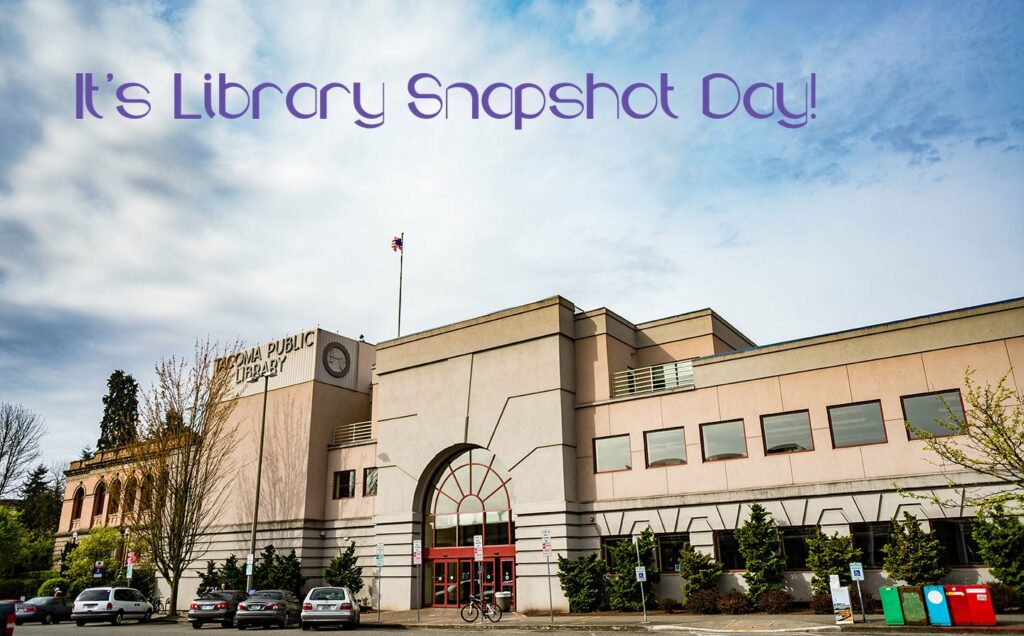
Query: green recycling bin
point(912, 599)
point(891, 606)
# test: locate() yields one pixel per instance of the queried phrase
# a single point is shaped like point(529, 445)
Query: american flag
point(396, 244)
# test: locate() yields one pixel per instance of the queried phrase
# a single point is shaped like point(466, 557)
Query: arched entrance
point(469, 497)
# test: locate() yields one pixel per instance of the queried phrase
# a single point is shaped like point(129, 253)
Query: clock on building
point(337, 360)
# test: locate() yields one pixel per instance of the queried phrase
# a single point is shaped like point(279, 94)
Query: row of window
point(345, 483)
point(856, 424)
point(960, 548)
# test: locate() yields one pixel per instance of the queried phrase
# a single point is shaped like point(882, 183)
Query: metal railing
point(660, 377)
point(352, 433)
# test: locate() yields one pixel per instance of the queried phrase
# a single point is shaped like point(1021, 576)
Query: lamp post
point(259, 473)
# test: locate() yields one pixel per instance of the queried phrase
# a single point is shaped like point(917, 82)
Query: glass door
point(446, 589)
point(507, 576)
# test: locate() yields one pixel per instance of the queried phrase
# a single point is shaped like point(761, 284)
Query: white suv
point(112, 604)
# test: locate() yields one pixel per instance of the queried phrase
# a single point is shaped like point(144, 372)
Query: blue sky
point(121, 242)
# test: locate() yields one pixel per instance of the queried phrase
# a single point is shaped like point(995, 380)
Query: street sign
point(641, 574)
point(478, 548)
point(132, 558)
point(128, 572)
point(545, 542)
point(417, 552)
point(833, 581)
point(380, 554)
point(249, 560)
point(857, 571)
point(97, 572)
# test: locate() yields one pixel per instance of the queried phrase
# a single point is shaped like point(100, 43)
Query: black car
point(216, 606)
point(43, 609)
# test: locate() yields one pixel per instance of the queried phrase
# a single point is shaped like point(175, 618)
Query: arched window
point(115, 497)
point(76, 506)
point(146, 494)
point(470, 496)
point(98, 499)
point(131, 490)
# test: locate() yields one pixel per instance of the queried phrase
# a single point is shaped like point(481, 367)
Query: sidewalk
point(659, 622)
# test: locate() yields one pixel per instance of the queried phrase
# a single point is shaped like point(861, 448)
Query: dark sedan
point(43, 609)
point(269, 607)
point(217, 606)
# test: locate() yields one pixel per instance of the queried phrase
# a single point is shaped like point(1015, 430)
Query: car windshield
point(39, 600)
point(271, 595)
point(94, 595)
point(216, 596)
point(327, 594)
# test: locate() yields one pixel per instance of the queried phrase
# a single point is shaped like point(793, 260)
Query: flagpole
point(401, 265)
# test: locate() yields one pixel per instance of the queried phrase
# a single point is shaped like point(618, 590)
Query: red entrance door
point(456, 579)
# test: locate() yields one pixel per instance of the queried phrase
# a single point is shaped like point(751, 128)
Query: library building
point(545, 418)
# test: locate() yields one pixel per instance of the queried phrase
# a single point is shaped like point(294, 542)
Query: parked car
point(216, 606)
point(7, 617)
point(268, 607)
point(43, 609)
point(112, 604)
point(330, 606)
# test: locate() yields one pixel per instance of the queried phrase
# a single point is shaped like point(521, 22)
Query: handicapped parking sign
point(857, 571)
point(641, 574)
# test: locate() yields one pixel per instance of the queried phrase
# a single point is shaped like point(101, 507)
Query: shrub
point(668, 605)
point(758, 540)
point(821, 603)
point(343, 571)
point(582, 581)
point(702, 602)
point(1000, 540)
point(49, 585)
point(1004, 598)
point(775, 602)
point(733, 602)
point(871, 604)
point(698, 570)
point(913, 555)
point(623, 590)
point(828, 555)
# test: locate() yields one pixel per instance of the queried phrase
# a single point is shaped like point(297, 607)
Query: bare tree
point(183, 459)
point(20, 431)
point(988, 438)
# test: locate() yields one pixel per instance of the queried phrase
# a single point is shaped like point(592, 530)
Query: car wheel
point(242, 626)
point(197, 625)
point(304, 626)
point(80, 623)
point(19, 623)
point(148, 616)
point(47, 619)
point(118, 618)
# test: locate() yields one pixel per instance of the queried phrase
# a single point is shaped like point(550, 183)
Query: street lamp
point(259, 472)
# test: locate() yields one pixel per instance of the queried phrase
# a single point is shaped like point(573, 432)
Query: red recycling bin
point(970, 605)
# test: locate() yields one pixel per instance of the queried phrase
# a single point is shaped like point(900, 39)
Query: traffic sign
point(478, 548)
point(417, 552)
point(857, 571)
point(380, 554)
point(128, 572)
point(249, 561)
point(641, 574)
point(545, 542)
point(132, 558)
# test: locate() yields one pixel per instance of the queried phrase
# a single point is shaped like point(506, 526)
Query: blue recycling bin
point(938, 608)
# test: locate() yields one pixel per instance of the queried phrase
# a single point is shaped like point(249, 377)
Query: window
point(370, 482)
point(344, 484)
point(666, 447)
point(931, 413)
point(669, 546)
point(870, 538)
point(787, 432)
point(611, 453)
point(723, 440)
point(727, 551)
point(794, 545)
point(98, 499)
point(76, 506)
point(957, 539)
point(471, 497)
point(115, 497)
point(856, 424)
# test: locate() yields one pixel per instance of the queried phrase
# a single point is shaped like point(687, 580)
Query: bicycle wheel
point(470, 613)
point(493, 612)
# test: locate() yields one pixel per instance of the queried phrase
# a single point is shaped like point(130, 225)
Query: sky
point(123, 241)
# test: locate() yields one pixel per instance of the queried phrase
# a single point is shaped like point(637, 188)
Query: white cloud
point(602, 21)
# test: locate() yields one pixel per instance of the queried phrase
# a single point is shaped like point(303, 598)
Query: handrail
point(660, 377)
point(352, 433)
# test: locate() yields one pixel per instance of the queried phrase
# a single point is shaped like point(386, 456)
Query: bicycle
point(471, 611)
point(158, 605)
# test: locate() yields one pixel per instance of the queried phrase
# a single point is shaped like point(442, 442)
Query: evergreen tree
point(913, 555)
point(40, 507)
point(119, 425)
point(343, 571)
point(623, 589)
point(827, 555)
point(1000, 538)
point(286, 574)
point(582, 582)
point(698, 570)
point(263, 568)
point(208, 580)
point(758, 541)
point(13, 541)
point(232, 574)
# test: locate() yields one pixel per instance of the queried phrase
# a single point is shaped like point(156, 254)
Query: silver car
point(330, 606)
point(268, 607)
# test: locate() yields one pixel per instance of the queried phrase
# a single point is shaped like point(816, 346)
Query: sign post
point(97, 569)
point(249, 559)
point(857, 574)
point(641, 576)
point(478, 556)
point(380, 563)
point(417, 560)
point(545, 542)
